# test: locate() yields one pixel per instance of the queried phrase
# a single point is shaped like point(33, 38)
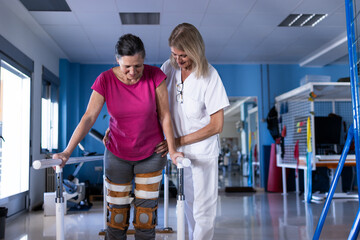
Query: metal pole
point(180, 212)
point(354, 232)
point(353, 77)
point(354, 82)
point(104, 202)
point(166, 196)
point(180, 204)
point(334, 183)
point(59, 202)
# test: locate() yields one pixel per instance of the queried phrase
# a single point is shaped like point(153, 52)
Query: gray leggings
point(121, 171)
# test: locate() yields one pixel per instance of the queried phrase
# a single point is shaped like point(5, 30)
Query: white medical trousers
point(201, 192)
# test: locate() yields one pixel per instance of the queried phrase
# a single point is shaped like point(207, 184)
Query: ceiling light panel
point(140, 18)
point(302, 20)
point(46, 5)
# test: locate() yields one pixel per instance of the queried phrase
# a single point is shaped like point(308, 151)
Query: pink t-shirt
point(134, 126)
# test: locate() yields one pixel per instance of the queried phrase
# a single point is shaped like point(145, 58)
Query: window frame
point(15, 57)
point(53, 83)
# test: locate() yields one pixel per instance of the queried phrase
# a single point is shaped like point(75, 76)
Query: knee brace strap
point(147, 185)
point(117, 187)
point(118, 218)
point(118, 193)
point(145, 218)
point(146, 194)
point(148, 180)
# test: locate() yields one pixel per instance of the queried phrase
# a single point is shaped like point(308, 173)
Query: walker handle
point(183, 162)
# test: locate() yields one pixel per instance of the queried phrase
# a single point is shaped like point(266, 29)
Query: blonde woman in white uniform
point(197, 98)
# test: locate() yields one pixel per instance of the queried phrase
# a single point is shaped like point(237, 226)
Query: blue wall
point(264, 81)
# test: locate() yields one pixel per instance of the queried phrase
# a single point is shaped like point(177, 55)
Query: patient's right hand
point(64, 156)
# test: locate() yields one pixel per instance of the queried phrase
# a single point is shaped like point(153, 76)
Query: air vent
point(302, 20)
point(46, 5)
point(140, 18)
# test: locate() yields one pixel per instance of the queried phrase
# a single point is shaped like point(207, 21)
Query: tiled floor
point(256, 216)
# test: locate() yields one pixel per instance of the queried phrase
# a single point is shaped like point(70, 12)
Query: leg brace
point(118, 200)
point(147, 189)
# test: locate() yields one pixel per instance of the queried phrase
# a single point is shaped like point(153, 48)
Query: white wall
point(18, 27)
point(229, 130)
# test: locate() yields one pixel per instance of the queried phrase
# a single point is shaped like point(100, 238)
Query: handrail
point(46, 163)
point(59, 199)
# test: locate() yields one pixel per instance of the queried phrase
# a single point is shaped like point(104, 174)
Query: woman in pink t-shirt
point(137, 101)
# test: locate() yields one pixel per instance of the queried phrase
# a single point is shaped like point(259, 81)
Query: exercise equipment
point(180, 210)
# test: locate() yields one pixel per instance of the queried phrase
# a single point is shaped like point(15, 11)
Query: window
point(49, 112)
point(14, 130)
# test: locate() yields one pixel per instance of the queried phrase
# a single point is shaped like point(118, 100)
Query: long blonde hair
point(187, 38)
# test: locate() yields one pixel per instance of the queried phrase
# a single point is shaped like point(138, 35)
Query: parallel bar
point(46, 163)
point(59, 200)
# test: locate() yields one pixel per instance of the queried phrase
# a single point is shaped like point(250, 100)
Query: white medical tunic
point(201, 98)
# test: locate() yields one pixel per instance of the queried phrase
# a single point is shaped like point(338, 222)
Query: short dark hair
point(129, 45)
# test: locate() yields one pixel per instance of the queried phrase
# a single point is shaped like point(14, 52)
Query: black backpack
point(273, 123)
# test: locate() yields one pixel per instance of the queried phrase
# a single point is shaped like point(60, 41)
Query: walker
point(180, 212)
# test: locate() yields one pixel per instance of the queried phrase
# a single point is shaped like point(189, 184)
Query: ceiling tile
point(185, 6)
point(275, 6)
point(103, 35)
point(173, 19)
point(229, 6)
point(334, 20)
point(319, 6)
point(92, 5)
point(216, 35)
point(99, 18)
point(139, 5)
point(72, 40)
point(216, 20)
point(55, 18)
point(263, 19)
